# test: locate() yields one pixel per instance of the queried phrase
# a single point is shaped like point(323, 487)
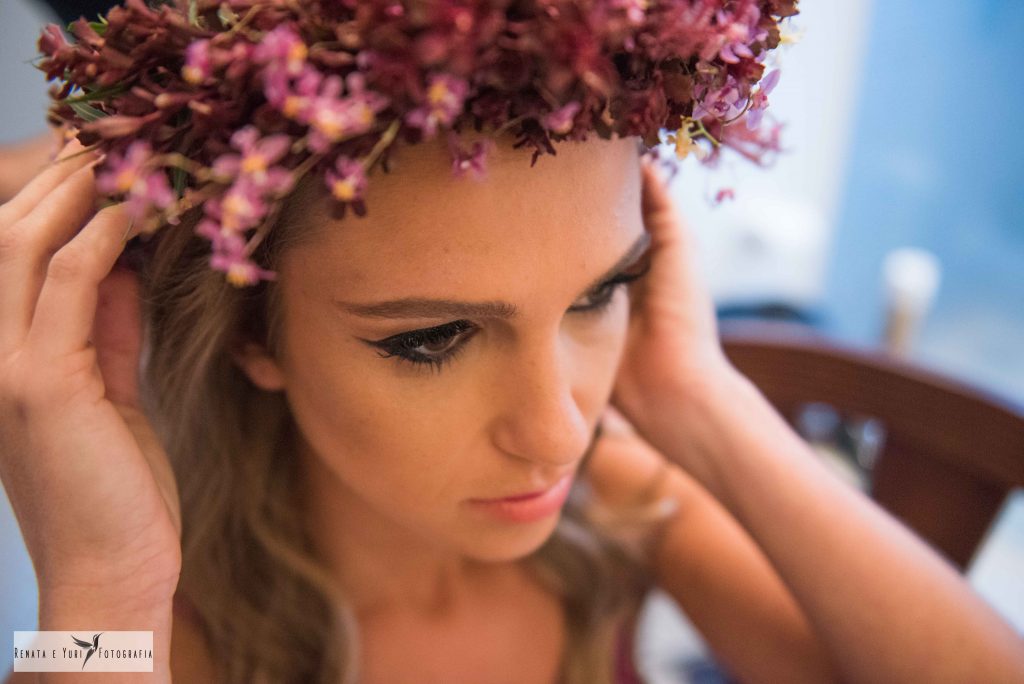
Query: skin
point(767, 605)
point(20, 161)
point(393, 452)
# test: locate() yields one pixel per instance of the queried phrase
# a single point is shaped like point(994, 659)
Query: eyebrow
point(419, 307)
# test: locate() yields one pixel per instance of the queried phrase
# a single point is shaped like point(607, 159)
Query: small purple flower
point(333, 117)
point(759, 100)
point(240, 270)
point(229, 255)
point(561, 120)
point(332, 121)
point(240, 208)
point(222, 241)
point(474, 160)
point(293, 100)
point(445, 97)
point(127, 174)
point(283, 48)
point(724, 103)
point(740, 32)
point(347, 180)
point(255, 164)
point(198, 65)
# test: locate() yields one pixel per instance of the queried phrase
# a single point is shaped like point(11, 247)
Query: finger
point(73, 157)
point(670, 251)
point(64, 316)
point(614, 422)
point(660, 215)
point(29, 244)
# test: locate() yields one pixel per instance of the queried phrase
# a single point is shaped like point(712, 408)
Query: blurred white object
point(911, 278)
point(767, 249)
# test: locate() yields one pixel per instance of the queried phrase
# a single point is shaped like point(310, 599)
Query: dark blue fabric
point(69, 10)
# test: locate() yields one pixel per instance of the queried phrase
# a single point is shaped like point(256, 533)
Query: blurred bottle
point(911, 278)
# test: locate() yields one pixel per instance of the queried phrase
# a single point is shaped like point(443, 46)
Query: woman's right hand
point(88, 480)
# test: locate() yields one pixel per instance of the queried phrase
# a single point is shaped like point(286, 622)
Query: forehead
point(428, 233)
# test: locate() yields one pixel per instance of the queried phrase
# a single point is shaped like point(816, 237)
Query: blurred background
point(894, 221)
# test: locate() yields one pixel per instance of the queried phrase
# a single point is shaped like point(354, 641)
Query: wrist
point(67, 609)
point(704, 418)
point(104, 607)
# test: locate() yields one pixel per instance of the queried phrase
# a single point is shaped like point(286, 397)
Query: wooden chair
point(951, 453)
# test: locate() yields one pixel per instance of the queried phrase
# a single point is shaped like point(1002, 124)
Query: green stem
point(385, 140)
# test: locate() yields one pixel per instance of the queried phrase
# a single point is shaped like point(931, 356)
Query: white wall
point(24, 88)
point(773, 240)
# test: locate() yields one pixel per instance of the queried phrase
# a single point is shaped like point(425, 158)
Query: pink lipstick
point(529, 507)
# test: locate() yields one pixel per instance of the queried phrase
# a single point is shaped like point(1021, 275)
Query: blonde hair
point(269, 610)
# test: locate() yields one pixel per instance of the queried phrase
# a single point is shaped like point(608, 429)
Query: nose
point(541, 420)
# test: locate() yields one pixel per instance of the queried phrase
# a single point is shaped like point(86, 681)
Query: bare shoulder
point(191, 659)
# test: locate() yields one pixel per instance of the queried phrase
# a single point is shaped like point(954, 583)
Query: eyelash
point(402, 346)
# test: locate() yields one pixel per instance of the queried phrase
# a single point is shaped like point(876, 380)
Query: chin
point(507, 543)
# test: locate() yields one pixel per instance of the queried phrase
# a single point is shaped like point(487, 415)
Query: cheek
point(359, 417)
point(601, 343)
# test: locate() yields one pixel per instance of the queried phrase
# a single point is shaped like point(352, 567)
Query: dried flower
point(227, 103)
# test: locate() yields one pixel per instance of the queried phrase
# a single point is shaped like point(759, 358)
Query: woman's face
point(493, 403)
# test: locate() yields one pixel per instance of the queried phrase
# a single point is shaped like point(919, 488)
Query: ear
point(259, 366)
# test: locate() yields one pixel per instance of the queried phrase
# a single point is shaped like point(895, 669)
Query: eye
point(602, 297)
point(430, 346)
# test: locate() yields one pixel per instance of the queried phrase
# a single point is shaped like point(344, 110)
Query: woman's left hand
point(672, 343)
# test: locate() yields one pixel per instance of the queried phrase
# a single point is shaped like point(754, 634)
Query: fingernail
point(128, 232)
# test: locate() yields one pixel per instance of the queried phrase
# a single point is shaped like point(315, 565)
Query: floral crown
point(227, 103)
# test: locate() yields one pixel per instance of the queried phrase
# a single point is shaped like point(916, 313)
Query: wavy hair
point(267, 606)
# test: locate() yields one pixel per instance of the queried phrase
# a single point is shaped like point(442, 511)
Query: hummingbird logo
point(91, 647)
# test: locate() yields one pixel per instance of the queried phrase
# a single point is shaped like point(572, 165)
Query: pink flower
point(560, 121)
point(473, 160)
point(445, 97)
point(333, 118)
point(198, 65)
point(127, 174)
point(724, 103)
point(724, 194)
point(284, 48)
point(255, 164)
point(238, 209)
point(229, 256)
point(759, 100)
point(740, 32)
point(293, 100)
point(240, 270)
point(347, 180)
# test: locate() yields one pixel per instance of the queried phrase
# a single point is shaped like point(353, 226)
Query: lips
point(523, 496)
point(532, 508)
